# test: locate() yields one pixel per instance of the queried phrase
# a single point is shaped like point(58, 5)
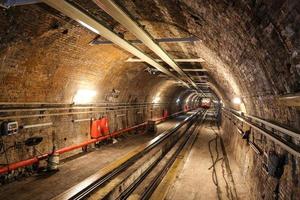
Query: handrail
point(268, 124)
point(293, 149)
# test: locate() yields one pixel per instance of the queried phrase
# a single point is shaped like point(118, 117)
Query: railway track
point(137, 175)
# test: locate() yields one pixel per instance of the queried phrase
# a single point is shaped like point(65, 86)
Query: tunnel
point(150, 99)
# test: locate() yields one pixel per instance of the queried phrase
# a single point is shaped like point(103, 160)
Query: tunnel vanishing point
point(150, 99)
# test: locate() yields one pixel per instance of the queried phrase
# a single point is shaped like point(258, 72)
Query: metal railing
point(276, 133)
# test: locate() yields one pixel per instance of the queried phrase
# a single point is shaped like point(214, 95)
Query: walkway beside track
point(200, 179)
point(75, 170)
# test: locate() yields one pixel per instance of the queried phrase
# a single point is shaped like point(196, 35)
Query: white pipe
point(81, 120)
point(37, 125)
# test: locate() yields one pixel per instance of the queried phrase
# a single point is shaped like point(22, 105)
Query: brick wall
point(45, 57)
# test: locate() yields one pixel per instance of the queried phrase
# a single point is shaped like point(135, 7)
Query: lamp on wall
point(84, 96)
point(156, 99)
point(237, 100)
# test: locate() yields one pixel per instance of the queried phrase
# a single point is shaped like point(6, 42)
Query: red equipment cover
point(104, 126)
point(96, 128)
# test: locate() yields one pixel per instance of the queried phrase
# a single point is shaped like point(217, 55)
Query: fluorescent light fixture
point(156, 99)
point(84, 96)
point(237, 100)
point(89, 27)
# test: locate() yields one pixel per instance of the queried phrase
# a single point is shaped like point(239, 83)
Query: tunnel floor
point(76, 169)
point(199, 179)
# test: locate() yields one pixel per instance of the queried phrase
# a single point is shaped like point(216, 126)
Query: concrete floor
point(198, 179)
point(75, 170)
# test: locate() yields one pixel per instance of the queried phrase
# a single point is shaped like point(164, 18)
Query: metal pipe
point(119, 15)
point(72, 108)
point(71, 104)
point(65, 113)
point(31, 161)
point(93, 25)
point(271, 137)
point(186, 60)
point(193, 70)
point(81, 120)
point(37, 125)
point(271, 125)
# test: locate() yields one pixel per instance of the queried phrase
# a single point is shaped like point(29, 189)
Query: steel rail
point(95, 26)
point(125, 194)
point(291, 148)
point(83, 193)
point(157, 179)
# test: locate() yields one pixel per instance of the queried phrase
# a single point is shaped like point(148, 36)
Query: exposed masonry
point(251, 49)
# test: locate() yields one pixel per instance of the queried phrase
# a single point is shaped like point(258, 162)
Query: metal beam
point(93, 25)
point(160, 40)
point(11, 3)
point(119, 15)
point(184, 60)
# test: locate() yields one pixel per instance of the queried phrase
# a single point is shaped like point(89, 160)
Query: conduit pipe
point(119, 15)
point(36, 159)
point(266, 133)
point(93, 25)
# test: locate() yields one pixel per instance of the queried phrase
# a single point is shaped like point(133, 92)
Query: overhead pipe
point(123, 18)
point(31, 161)
point(95, 26)
point(164, 40)
point(182, 60)
point(266, 133)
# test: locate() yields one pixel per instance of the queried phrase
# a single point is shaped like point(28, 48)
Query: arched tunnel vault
point(250, 48)
point(61, 72)
point(59, 61)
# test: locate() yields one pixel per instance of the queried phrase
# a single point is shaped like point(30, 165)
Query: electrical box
point(9, 128)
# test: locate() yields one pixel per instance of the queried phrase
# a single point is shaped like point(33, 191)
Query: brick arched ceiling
point(250, 49)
